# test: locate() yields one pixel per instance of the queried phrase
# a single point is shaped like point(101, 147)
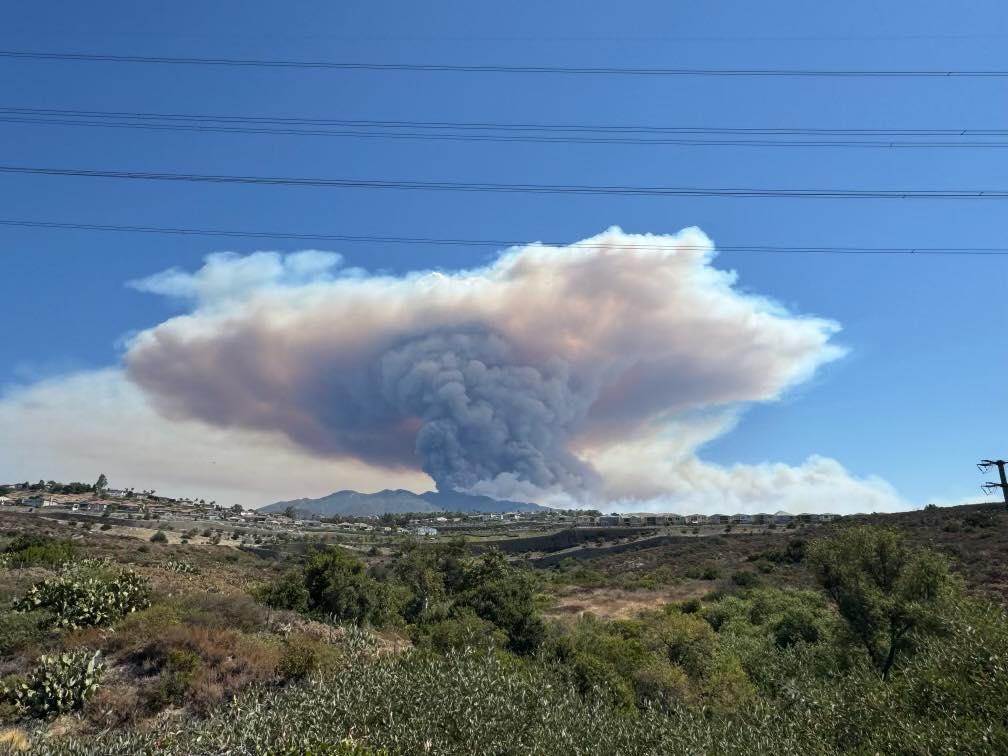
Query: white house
point(425, 531)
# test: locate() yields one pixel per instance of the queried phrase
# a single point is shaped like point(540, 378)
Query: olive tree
point(886, 590)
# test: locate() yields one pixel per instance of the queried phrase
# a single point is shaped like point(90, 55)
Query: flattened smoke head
point(482, 415)
point(502, 379)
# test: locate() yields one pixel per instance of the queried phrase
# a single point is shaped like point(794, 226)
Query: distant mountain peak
point(399, 501)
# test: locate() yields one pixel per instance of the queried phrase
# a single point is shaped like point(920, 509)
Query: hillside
point(731, 645)
point(399, 501)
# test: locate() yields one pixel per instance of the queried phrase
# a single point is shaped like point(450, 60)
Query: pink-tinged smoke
point(523, 376)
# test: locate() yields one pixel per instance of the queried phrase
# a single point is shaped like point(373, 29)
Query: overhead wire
point(495, 243)
point(501, 69)
point(504, 132)
point(530, 188)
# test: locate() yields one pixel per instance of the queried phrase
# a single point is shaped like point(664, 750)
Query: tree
point(339, 586)
point(101, 484)
point(887, 591)
point(291, 512)
point(505, 596)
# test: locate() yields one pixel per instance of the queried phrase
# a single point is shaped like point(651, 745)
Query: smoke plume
point(503, 379)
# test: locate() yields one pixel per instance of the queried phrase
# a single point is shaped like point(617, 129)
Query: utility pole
point(986, 464)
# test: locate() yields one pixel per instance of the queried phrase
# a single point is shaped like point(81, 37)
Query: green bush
point(159, 537)
point(29, 550)
point(57, 684)
point(84, 601)
point(745, 579)
point(298, 660)
point(505, 596)
point(180, 667)
point(661, 684)
point(462, 630)
point(18, 630)
point(286, 592)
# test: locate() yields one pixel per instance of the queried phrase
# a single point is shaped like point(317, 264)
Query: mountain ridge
point(399, 501)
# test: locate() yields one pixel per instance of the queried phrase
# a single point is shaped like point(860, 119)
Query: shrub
point(227, 611)
point(797, 625)
point(338, 585)
point(298, 660)
point(597, 681)
point(464, 630)
point(689, 606)
point(18, 630)
point(684, 640)
point(28, 550)
point(84, 601)
point(505, 596)
point(201, 666)
point(113, 706)
point(286, 592)
point(661, 684)
point(745, 579)
point(159, 537)
point(710, 573)
point(57, 684)
point(177, 673)
point(980, 519)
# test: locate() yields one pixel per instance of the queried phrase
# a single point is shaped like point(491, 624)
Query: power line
point(464, 186)
point(495, 243)
point(484, 125)
point(426, 131)
point(499, 69)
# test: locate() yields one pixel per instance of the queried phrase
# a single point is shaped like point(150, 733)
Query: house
point(5, 501)
point(39, 500)
point(608, 520)
point(425, 531)
point(114, 493)
point(696, 519)
point(742, 519)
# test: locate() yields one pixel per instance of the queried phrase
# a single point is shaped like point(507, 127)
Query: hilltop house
point(39, 500)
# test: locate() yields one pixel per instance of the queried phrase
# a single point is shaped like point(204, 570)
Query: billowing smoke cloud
point(525, 376)
point(482, 415)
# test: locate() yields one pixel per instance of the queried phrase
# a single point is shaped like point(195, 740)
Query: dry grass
point(617, 603)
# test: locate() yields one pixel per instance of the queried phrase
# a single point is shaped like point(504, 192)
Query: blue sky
point(918, 399)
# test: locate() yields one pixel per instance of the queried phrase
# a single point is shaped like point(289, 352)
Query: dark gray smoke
point(483, 415)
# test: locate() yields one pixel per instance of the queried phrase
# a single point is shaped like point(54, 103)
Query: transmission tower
point(988, 488)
